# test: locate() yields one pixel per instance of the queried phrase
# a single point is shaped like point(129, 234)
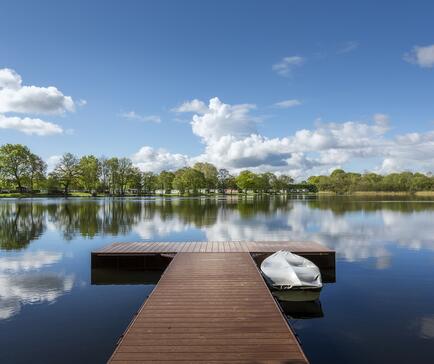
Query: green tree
point(165, 180)
point(247, 180)
point(125, 171)
point(67, 172)
point(285, 182)
point(16, 164)
point(38, 170)
point(179, 182)
point(223, 177)
point(135, 180)
point(263, 181)
point(90, 172)
point(210, 174)
point(149, 182)
point(420, 182)
point(187, 179)
point(105, 174)
point(113, 175)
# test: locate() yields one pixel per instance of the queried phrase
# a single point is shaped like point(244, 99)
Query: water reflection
point(384, 246)
point(355, 229)
point(28, 261)
point(302, 309)
point(20, 223)
point(92, 217)
point(300, 304)
point(101, 276)
point(21, 283)
point(29, 288)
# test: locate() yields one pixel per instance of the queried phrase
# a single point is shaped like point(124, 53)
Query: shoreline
point(320, 194)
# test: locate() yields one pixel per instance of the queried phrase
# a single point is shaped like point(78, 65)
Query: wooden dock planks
point(211, 308)
point(213, 247)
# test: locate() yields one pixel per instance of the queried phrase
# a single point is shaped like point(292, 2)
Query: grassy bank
point(378, 193)
point(249, 194)
point(381, 193)
point(425, 193)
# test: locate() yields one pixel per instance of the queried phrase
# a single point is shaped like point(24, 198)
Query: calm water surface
point(381, 308)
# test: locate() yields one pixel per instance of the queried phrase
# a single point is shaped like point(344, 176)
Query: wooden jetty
point(211, 305)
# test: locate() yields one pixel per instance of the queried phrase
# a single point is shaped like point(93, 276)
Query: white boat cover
point(284, 270)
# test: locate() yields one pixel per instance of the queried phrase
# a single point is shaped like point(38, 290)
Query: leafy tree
point(67, 172)
point(231, 183)
point(179, 182)
point(264, 180)
point(342, 182)
point(246, 180)
point(135, 180)
point(149, 182)
point(104, 174)
point(18, 164)
point(165, 180)
point(37, 171)
point(420, 182)
point(113, 175)
point(187, 179)
point(226, 180)
point(90, 172)
point(52, 184)
point(285, 181)
point(125, 171)
point(223, 177)
point(210, 174)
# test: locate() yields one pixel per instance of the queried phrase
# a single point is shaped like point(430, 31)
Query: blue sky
point(359, 76)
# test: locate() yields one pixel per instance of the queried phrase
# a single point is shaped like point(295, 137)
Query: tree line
point(23, 171)
point(341, 182)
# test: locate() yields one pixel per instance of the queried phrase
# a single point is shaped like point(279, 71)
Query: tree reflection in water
point(20, 223)
point(333, 221)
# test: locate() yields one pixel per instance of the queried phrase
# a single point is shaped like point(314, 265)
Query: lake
point(380, 309)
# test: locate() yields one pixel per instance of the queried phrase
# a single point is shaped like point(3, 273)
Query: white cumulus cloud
point(17, 98)
point(231, 140)
point(156, 160)
point(422, 56)
point(191, 106)
point(220, 119)
point(14, 97)
point(29, 126)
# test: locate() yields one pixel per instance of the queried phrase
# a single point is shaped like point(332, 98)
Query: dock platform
point(298, 247)
point(209, 308)
point(211, 304)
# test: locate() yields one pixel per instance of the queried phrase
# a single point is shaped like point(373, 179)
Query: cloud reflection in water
point(21, 283)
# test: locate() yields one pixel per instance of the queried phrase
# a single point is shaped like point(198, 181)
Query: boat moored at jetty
point(284, 270)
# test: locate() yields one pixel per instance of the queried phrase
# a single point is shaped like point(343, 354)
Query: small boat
point(284, 270)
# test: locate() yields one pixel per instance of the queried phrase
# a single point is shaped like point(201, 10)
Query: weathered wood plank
point(210, 307)
point(213, 246)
